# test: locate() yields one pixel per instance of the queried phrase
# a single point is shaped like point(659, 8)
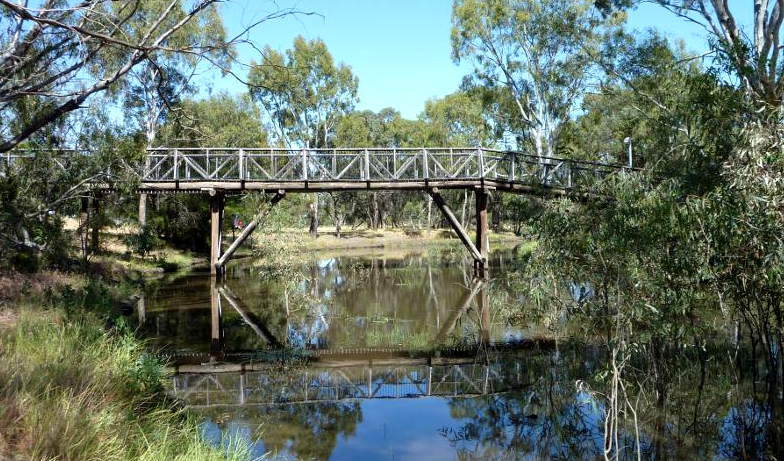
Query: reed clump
point(71, 389)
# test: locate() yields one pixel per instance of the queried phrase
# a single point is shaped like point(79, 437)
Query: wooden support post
point(483, 302)
point(216, 213)
point(95, 240)
point(245, 234)
point(84, 211)
point(216, 330)
point(142, 211)
point(141, 307)
point(482, 236)
point(84, 225)
point(450, 217)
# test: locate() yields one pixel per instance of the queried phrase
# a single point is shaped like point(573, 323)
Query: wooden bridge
point(319, 170)
point(223, 171)
point(268, 384)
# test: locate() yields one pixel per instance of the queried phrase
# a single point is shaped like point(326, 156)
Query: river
point(405, 355)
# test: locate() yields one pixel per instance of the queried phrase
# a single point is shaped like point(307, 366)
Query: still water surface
point(404, 356)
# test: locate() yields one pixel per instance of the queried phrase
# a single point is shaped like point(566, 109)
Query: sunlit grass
point(69, 390)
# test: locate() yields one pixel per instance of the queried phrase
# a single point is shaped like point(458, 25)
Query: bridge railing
point(351, 382)
point(61, 160)
point(341, 165)
point(371, 164)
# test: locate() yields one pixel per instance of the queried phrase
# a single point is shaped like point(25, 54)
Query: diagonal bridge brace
point(246, 233)
point(457, 227)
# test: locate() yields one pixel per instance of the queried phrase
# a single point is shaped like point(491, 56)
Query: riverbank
point(392, 238)
point(298, 242)
point(76, 384)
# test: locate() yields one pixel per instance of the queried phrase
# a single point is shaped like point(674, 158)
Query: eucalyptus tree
point(536, 55)
point(155, 85)
point(456, 120)
point(752, 51)
point(220, 120)
point(303, 92)
point(55, 55)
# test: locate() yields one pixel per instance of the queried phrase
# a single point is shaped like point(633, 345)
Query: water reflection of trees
point(366, 302)
point(708, 412)
point(295, 431)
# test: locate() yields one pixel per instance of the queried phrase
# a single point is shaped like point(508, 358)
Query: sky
point(399, 49)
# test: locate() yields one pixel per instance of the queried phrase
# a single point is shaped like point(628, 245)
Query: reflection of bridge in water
point(267, 384)
point(222, 297)
point(247, 378)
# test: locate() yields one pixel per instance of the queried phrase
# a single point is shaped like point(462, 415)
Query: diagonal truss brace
point(246, 233)
point(461, 233)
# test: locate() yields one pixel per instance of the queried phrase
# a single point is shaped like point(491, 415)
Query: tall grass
point(70, 390)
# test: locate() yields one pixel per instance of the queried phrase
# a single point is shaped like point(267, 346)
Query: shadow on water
point(409, 357)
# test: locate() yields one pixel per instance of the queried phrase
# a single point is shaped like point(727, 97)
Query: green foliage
point(220, 120)
point(143, 242)
point(457, 119)
point(533, 57)
point(302, 92)
point(69, 390)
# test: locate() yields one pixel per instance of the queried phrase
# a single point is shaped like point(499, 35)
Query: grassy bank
point(298, 240)
point(72, 388)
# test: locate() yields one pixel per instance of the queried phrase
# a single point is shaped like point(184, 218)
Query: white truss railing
point(277, 165)
point(368, 164)
point(330, 384)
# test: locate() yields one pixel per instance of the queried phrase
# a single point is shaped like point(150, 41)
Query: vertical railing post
point(241, 164)
point(481, 153)
point(176, 164)
point(569, 178)
point(394, 163)
point(304, 164)
point(424, 163)
point(274, 163)
point(367, 165)
point(146, 166)
point(512, 174)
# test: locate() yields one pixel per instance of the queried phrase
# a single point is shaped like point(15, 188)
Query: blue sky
point(400, 49)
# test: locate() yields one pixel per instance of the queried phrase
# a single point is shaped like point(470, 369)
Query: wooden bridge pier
point(95, 236)
point(482, 232)
point(217, 202)
point(216, 335)
point(249, 228)
point(142, 210)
